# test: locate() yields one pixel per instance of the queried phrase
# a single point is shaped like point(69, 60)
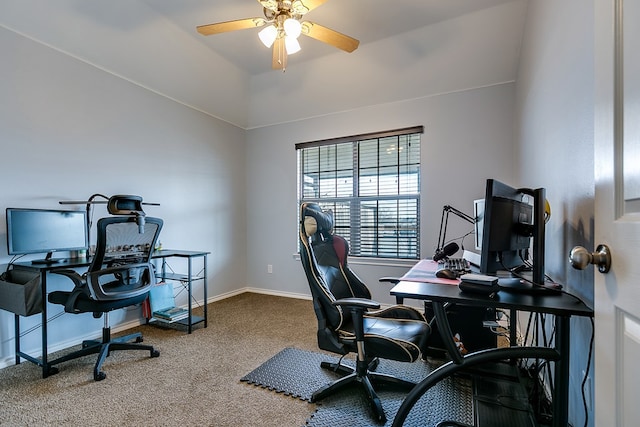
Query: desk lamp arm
point(90, 201)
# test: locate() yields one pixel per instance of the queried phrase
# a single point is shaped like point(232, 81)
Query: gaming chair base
point(365, 377)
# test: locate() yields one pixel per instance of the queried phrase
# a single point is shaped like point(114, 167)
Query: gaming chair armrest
point(358, 307)
point(393, 280)
point(363, 303)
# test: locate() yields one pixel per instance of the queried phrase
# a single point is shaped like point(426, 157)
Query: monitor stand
point(518, 285)
point(48, 260)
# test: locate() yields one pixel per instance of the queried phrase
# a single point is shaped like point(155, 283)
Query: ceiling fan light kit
point(282, 18)
point(268, 35)
point(291, 45)
point(292, 27)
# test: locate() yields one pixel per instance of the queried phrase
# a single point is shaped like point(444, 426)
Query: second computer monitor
point(512, 222)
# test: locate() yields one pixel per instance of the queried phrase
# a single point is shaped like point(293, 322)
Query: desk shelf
point(178, 277)
point(185, 322)
point(186, 281)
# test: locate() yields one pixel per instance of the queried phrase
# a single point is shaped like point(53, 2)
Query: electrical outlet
point(269, 268)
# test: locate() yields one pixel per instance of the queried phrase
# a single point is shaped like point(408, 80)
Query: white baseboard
point(277, 293)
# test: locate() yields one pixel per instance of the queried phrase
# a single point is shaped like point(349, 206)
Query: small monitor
point(478, 213)
point(34, 231)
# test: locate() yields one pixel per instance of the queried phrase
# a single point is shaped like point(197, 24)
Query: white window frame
point(378, 173)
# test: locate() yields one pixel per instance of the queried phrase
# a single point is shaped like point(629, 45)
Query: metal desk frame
point(563, 306)
point(45, 269)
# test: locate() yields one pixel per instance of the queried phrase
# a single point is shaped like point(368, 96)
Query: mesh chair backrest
point(121, 266)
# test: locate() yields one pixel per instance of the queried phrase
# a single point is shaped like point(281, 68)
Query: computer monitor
point(32, 231)
point(512, 222)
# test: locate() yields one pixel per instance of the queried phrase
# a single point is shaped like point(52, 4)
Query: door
point(617, 211)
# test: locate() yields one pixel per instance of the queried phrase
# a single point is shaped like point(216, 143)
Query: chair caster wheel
point(139, 339)
point(99, 376)
point(155, 353)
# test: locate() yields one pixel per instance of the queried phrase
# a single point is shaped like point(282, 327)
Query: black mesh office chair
point(346, 320)
point(120, 275)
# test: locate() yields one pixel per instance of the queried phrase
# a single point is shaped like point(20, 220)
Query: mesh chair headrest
point(124, 204)
point(315, 220)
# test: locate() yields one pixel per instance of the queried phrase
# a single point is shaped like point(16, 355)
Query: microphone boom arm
point(444, 221)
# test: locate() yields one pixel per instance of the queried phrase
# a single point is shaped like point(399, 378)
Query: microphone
point(448, 250)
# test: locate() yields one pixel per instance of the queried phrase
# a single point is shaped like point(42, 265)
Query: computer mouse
point(445, 273)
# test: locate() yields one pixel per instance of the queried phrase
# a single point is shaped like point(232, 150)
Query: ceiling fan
point(283, 25)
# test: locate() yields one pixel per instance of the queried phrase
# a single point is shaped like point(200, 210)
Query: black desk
point(563, 306)
point(45, 269)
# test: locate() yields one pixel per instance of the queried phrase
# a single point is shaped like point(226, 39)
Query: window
point(372, 184)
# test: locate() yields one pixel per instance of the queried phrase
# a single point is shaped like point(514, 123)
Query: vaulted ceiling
point(408, 48)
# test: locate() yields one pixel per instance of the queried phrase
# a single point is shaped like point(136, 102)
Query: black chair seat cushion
point(84, 304)
point(388, 338)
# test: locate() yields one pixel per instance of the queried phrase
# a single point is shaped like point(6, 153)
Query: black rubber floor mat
point(297, 373)
point(500, 402)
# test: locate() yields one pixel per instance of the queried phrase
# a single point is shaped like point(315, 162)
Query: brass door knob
point(580, 258)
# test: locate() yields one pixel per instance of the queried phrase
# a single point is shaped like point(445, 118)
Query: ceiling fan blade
point(329, 36)
point(223, 27)
point(279, 60)
point(300, 7)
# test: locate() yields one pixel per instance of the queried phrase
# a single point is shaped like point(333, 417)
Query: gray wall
point(69, 130)
point(555, 107)
point(467, 139)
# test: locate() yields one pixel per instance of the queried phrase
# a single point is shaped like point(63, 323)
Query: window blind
point(371, 182)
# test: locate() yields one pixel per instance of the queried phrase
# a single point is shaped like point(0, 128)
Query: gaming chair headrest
point(315, 220)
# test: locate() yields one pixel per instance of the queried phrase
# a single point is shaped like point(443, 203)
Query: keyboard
point(459, 266)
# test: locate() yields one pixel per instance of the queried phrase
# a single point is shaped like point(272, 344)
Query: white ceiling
point(365, 20)
point(154, 44)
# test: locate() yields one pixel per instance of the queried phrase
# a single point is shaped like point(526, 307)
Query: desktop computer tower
point(465, 321)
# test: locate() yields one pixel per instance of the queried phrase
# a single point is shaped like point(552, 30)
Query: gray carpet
point(194, 382)
point(297, 373)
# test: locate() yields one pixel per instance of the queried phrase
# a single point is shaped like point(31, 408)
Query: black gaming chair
point(346, 322)
point(120, 275)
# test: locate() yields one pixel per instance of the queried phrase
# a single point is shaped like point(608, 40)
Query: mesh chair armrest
point(77, 278)
point(80, 288)
point(102, 290)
